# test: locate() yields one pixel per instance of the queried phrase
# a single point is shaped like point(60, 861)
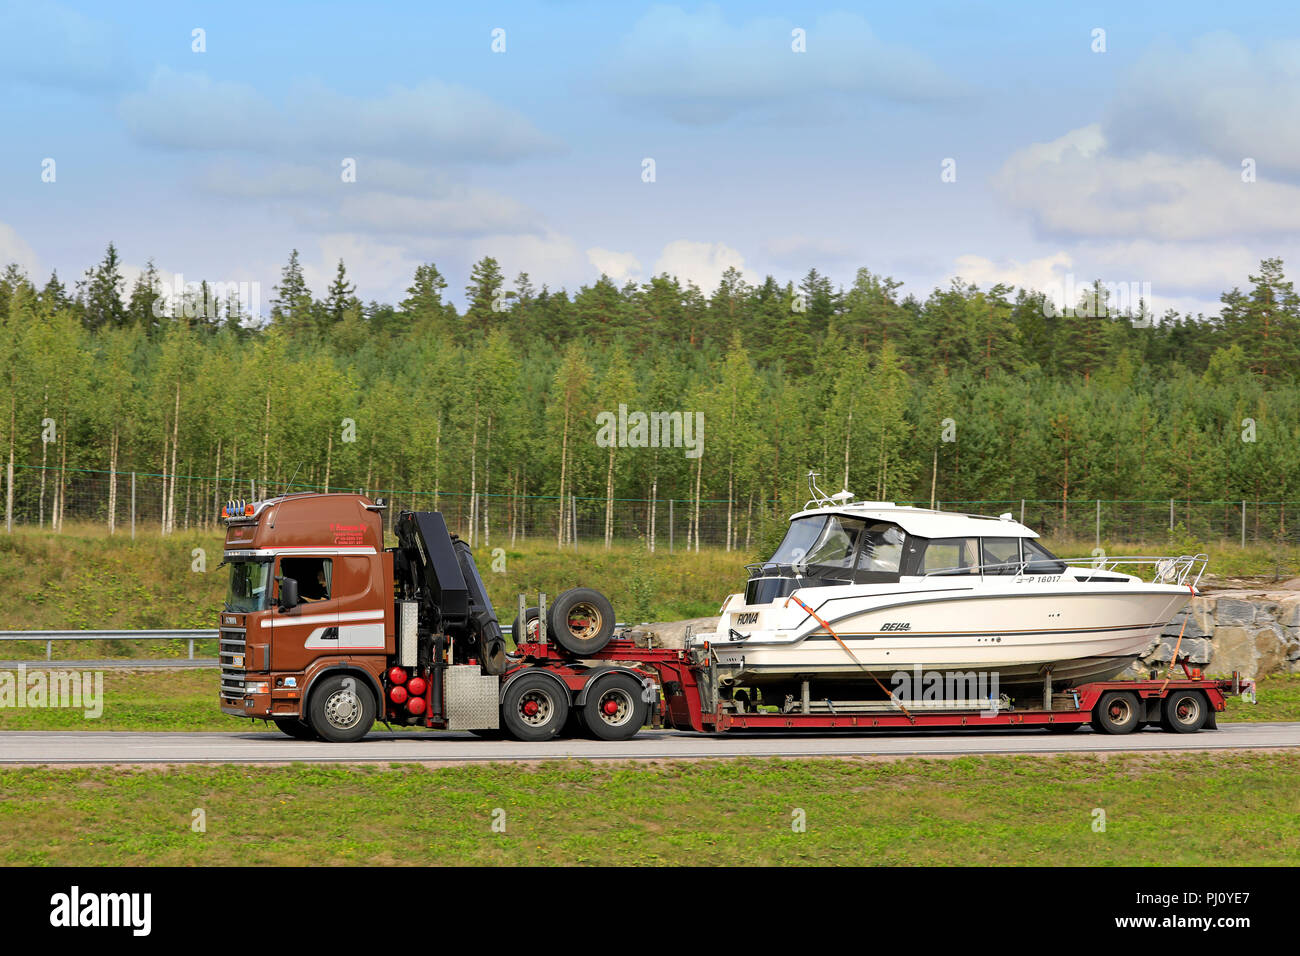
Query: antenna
point(289, 486)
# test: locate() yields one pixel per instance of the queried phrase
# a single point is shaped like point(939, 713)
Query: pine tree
point(102, 293)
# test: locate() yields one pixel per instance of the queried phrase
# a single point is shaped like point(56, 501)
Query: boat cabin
point(881, 545)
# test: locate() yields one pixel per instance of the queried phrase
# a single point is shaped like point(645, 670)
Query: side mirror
point(288, 594)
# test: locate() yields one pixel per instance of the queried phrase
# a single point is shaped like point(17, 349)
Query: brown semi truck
point(325, 630)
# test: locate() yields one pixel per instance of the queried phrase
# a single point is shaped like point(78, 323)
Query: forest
point(967, 394)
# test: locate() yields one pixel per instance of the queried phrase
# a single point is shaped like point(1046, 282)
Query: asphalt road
point(107, 747)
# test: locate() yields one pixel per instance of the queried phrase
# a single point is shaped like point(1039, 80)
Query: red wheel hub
point(530, 708)
point(610, 707)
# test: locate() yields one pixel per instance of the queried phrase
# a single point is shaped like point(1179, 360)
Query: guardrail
point(182, 634)
point(49, 637)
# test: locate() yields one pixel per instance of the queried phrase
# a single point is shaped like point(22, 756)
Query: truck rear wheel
point(1116, 713)
point(1183, 712)
point(535, 708)
point(342, 709)
point(581, 621)
point(295, 728)
point(615, 708)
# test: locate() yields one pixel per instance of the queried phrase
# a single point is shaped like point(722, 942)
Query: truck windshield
point(249, 589)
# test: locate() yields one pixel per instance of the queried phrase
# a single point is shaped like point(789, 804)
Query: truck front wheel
point(342, 709)
point(616, 707)
point(535, 708)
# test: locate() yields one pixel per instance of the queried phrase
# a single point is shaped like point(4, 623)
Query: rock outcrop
point(1253, 632)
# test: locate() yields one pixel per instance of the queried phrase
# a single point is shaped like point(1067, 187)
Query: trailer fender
point(505, 686)
point(598, 672)
point(351, 670)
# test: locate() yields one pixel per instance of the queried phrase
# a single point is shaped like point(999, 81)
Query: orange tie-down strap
point(1172, 660)
point(832, 633)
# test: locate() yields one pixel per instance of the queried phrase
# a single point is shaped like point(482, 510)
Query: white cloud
point(1074, 186)
point(388, 198)
point(701, 262)
point(548, 257)
point(1033, 274)
point(433, 121)
point(619, 266)
point(1216, 96)
point(378, 269)
point(14, 249)
point(697, 68)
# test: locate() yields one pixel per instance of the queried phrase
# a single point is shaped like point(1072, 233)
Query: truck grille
point(232, 663)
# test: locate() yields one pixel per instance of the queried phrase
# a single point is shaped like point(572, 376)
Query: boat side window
point(950, 556)
point(1000, 555)
point(1038, 560)
point(882, 548)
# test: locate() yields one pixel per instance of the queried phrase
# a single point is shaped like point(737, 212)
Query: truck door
point(311, 629)
point(360, 596)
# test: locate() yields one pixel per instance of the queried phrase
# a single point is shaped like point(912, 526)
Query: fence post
point(1098, 544)
point(1243, 522)
point(9, 498)
point(191, 648)
point(1022, 510)
point(133, 506)
point(670, 525)
point(1171, 515)
point(49, 650)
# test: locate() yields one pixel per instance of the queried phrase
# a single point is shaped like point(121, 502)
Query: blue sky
point(1124, 165)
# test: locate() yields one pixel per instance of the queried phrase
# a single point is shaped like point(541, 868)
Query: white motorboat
point(860, 591)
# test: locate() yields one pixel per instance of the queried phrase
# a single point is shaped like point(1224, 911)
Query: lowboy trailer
point(325, 631)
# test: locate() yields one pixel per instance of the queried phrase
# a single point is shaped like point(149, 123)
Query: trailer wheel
point(581, 621)
point(342, 709)
point(295, 728)
point(615, 707)
point(535, 708)
point(1116, 713)
point(1183, 712)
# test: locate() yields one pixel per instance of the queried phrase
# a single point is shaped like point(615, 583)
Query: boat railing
point(1166, 569)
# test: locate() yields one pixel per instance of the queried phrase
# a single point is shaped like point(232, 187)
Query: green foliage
point(969, 394)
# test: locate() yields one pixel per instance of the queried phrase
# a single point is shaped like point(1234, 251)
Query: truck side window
point(313, 575)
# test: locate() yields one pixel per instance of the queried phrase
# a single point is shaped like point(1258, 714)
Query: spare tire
point(581, 621)
point(517, 629)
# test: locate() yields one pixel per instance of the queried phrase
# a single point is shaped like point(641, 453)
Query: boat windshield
point(248, 586)
point(831, 541)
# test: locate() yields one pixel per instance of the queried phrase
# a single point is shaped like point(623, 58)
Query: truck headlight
point(257, 687)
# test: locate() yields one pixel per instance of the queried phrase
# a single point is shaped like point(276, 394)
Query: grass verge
point(968, 811)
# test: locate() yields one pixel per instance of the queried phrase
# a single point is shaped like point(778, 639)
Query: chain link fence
point(47, 498)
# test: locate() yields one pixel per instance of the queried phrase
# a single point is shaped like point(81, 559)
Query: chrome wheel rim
point(343, 709)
